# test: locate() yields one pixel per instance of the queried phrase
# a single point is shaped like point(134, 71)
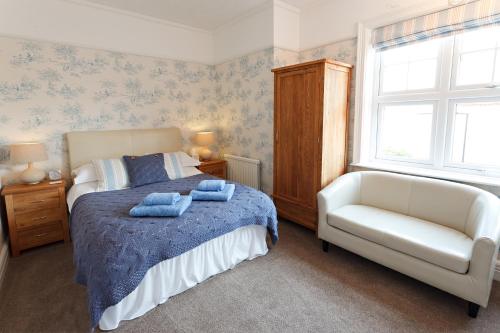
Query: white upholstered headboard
point(83, 147)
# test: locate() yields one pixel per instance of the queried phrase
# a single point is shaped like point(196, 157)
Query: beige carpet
point(295, 288)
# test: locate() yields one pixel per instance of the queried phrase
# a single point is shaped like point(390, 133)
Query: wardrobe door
point(290, 102)
point(296, 143)
point(309, 126)
point(335, 123)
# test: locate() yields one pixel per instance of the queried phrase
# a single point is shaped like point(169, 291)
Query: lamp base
point(205, 153)
point(32, 175)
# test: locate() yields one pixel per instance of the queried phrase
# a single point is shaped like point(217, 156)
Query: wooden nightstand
point(36, 215)
point(215, 168)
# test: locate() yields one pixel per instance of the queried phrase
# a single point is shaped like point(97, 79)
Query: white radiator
point(243, 170)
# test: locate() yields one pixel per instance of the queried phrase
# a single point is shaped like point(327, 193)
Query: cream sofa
point(442, 233)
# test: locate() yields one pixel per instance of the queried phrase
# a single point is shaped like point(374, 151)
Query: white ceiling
point(203, 14)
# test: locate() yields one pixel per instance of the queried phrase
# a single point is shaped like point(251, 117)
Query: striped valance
point(446, 22)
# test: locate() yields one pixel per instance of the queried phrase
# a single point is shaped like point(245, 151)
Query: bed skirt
point(173, 276)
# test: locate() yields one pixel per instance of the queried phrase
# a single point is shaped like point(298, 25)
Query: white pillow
point(189, 171)
point(111, 174)
point(84, 174)
point(187, 160)
point(176, 168)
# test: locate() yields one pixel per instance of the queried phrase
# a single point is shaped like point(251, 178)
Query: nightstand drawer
point(42, 235)
point(36, 214)
point(36, 200)
point(217, 172)
point(33, 218)
point(215, 168)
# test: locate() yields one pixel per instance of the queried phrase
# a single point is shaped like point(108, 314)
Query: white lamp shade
point(204, 138)
point(27, 152)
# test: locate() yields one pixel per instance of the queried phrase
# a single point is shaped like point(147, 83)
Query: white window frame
point(472, 168)
point(454, 85)
point(377, 137)
point(445, 94)
point(378, 89)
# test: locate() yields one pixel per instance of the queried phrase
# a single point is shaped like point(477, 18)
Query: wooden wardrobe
point(311, 115)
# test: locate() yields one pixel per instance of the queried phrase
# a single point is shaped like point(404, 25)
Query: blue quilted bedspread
point(113, 251)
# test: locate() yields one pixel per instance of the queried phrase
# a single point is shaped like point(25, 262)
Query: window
point(436, 104)
point(406, 131)
point(476, 134)
point(410, 68)
point(477, 58)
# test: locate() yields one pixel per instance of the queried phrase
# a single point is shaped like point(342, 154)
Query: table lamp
point(21, 153)
point(204, 140)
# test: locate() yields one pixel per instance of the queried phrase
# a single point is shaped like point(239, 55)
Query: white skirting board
point(4, 258)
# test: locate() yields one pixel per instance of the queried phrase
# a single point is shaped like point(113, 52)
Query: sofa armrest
point(484, 254)
point(486, 220)
point(482, 267)
point(345, 190)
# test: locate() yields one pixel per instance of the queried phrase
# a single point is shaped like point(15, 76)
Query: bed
point(131, 265)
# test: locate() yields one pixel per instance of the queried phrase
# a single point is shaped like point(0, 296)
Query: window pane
point(394, 56)
point(476, 57)
point(395, 78)
point(486, 38)
point(424, 50)
point(475, 135)
point(405, 131)
point(422, 74)
point(475, 68)
point(411, 67)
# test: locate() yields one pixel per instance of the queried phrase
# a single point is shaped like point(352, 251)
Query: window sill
point(440, 174)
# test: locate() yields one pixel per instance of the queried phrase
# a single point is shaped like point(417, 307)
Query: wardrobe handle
point(39, 218)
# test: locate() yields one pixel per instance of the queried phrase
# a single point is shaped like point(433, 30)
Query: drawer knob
point(37, 201)
point(42, 234)
point(39, 218)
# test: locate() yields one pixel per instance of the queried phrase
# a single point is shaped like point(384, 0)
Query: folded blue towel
point(211, 185)
point(174, 210)
point(161, 199)
point(224, 195)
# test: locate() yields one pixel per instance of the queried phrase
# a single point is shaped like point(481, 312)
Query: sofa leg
point(326, 245)
point(473, 310)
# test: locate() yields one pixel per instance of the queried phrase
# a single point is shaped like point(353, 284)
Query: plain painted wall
point(286, 27)
point(97, 27)
point(330, 21)
point(273, 24)
point(246, 34)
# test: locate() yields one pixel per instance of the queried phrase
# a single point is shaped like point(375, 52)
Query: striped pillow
point(174, 164)
point(111, 174)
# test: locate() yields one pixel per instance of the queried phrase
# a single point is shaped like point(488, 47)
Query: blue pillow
point(147, 169)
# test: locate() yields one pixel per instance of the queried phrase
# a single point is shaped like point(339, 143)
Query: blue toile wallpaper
point(49, 89)
point(244, 90)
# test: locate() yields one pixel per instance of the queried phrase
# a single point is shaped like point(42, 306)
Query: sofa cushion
point(396, 191)
point(452, 208)
point(434, 243)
